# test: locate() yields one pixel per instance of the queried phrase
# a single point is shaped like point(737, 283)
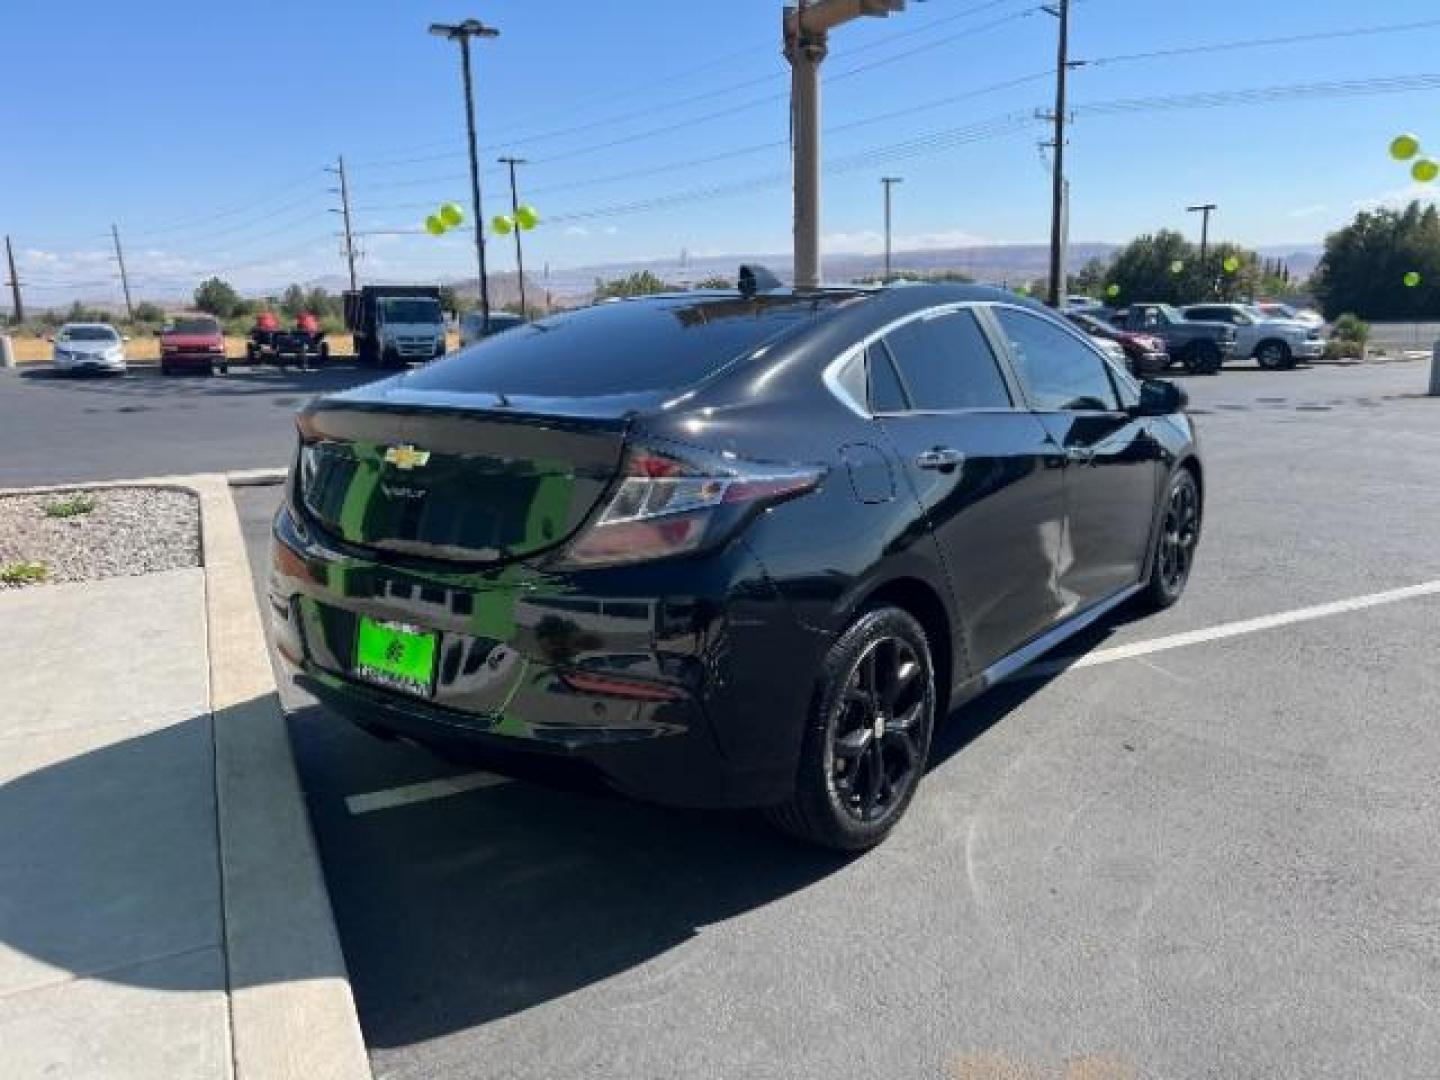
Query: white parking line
point(1136, 649)
point(456, 785)
point(423, 792)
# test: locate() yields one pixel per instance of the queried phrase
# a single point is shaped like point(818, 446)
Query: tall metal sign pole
point(463, 32)
point(349, 234)
point(889, 182)
point(124, 278)
point(806, 31)
point(1061, 11)
point(515, 216)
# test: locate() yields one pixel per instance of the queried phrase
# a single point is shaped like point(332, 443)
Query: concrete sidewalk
point(162, 911)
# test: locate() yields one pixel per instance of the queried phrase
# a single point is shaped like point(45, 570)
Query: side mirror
point(1160, 397)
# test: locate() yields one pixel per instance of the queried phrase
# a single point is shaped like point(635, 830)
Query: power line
point(1263, 43)
point(1397, 84)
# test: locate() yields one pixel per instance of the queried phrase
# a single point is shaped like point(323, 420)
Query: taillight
point(666, 505)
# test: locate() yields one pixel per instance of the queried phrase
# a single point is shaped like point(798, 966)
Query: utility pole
point(463, 32)
point(1204, 209)
point(19, 314)
point(889, 182)
point(1061, 11)
point(124, 280)
point(806, 32)
point(515, 216)
point(344, 194)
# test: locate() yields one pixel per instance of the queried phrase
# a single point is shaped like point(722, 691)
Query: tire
point(1273, 355)
point(1203, 358)
point(166, 369)
point(324, 353)
point(852, 787)
point(1179, 535)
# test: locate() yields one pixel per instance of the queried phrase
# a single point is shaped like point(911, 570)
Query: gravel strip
point(130, 531)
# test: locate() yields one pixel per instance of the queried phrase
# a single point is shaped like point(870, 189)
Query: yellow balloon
point(434, 226)
point(526, 217)
point(1404, 147)
point(502, 224)
point(1112, 290)
point(1412, 279)
point(1232, 264)
point(451, 214)
point(1425, 170)
point(1177, 266)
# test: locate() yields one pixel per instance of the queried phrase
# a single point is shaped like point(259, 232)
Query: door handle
point(1079, 455)
point(941, 458)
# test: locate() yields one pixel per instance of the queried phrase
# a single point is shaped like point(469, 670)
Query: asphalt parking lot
point(1199, 844)
point(56, 428)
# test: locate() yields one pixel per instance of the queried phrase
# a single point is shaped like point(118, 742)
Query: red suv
point(192, 343)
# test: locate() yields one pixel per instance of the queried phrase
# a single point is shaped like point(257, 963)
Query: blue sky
point(204, 136)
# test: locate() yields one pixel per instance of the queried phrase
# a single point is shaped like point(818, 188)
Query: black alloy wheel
point(1273, 355)
point(869, 739)
point(1176, 544)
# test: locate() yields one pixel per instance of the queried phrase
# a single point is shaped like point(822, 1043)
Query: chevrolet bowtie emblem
point(406, 456)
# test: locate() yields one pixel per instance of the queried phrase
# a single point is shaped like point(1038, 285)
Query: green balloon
point(1404, 147)
point(434, 226)
point(1412, 279)
point(526, 217)
point(451, 214)
point(1232, 264)
point(502, 224)
point(1112, 290)
point(1425, 170)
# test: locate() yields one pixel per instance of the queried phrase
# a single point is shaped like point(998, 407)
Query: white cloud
point(1311, 210)
point(872, 241)
point(1399, 197)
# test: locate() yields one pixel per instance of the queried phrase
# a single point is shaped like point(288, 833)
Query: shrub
point(75, 506)
point(1350, 327)
point(23, 573)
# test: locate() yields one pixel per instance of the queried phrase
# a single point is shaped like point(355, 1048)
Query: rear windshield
point(629, 346)
point(195, 326)
point(88, 333)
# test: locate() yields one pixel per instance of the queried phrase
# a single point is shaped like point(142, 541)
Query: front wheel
point(1274, 355)
point(1203, 359)
point(868, 736)
point(1175, 546)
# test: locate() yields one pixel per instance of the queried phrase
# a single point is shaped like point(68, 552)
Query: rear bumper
point(1308, 350)
point(724, 673)
point(191, 359)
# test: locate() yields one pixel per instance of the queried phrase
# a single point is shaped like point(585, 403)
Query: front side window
point(1060, 371)
point(945, 362)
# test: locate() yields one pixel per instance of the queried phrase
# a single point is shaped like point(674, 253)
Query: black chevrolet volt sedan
point(727, 548)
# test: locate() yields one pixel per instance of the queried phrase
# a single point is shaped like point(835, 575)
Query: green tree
point(1144, 269)
point(218, 298)
point(718, 281)
point(1365, 265)
point(146, 312)
point(640, 283)
point(293, 301)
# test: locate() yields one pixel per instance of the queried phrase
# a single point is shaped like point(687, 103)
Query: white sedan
point(89, 347)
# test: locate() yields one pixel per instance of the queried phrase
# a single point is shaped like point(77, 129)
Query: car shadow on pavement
point(109, 867)
point(463, 911)
point(241, 381)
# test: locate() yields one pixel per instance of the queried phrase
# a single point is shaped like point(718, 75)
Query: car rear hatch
point(473, 484)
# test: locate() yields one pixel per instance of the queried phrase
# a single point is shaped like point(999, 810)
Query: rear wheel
point(868, 737)
point(1175, 546)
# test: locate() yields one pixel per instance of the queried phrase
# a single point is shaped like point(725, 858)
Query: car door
point(1113, 464)
point(981, 466)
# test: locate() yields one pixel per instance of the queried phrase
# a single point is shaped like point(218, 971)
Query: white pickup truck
point(1273, 343)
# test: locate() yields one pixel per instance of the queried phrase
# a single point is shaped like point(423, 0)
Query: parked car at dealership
point(1308, 316)
point(1200, 346)
point(192, 343)
point(728, 548)
point(473, 328)
point(89, 347)
point(1273, 343)
point(1143, 354)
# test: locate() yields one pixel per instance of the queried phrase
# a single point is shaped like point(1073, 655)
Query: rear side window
point(619, 348)
point(886, 393)
point(945, 362)
point(1060, 371)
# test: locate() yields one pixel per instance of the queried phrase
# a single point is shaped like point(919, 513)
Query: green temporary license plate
point(395, 655)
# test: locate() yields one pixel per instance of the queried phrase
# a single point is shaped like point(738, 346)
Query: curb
point(292, 1014)
point(256, 477)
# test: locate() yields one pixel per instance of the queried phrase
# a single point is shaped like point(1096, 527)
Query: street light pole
point(1205, 209)
point(1061, 11)
point(889, 182)
point(515, 217)
point(463, 32)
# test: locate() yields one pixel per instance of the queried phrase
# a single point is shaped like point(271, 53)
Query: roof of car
point(87, 326)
